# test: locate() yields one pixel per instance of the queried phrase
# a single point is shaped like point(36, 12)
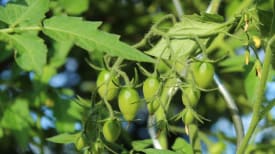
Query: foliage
point(186, 58)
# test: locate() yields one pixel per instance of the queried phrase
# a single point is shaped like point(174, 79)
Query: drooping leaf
point(30, 14)
point(64, 138)
point(30, 51)
point(75, 7)
point(181, 146)
point(141, 144)
point(86, 35)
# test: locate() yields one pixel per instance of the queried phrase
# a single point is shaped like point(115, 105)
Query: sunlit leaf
point(30, 51)
point(74, 7)
point(86, 35)
point(17, 116)
point(141, 144)
point(181, 146)
point(64, 138)
point(30, 14)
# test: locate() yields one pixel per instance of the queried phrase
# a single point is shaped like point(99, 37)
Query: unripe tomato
point(188, 116)
point(106, 88)
point(150, 88)
point(128, 103)
point(191, 96)
point(153, 106)
point(203, 73)
point(217, 148)
point(162, 67)
point(111, 130)
point(80, 142)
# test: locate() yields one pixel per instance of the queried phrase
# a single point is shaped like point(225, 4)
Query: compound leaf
point(86, 35)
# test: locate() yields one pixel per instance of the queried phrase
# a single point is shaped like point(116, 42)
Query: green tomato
point(150, 88)
point(106, 88)
point(203, 73)
point(153, 106)
point(188, 117)
point(217, 148)
point(111, 130)
point(162, 67)
point(191, 96)
point(128, 103)
point(80, 143)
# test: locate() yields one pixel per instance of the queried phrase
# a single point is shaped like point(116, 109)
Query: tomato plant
point(209, 70)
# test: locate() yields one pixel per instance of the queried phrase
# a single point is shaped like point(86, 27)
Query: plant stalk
point(259, 97)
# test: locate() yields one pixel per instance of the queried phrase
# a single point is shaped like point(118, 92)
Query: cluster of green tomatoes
point(129, 99)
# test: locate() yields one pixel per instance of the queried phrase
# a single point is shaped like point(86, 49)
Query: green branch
point(256, 117)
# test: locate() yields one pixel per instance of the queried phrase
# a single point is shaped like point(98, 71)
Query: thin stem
point(108, 105)
point(194, 138)
point(152, 131)
point(213, 6)
point(178, 7)
point(259, 97)
point(233, 109)
point(20, 29)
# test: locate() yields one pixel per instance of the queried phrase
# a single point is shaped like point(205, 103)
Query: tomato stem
point(259, 93)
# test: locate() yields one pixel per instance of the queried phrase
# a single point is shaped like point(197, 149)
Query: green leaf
point(64, 138)
point(17, 116)
point(60, 51)
point(233, 64)
point(266, 26)
point(157, 151)
point(183, 34)
point(141, 144)
point(181, 146)
point(22, 139)
point(272, 30)
point(86, 35)
point(30, 51)
point(75, 7)
point(212, 17)
point(251, 81)
point(65, 121)
point(32, 14)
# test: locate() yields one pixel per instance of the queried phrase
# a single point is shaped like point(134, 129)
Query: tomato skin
point(150, 88)
point(106, 88)
point(190, 96)
point(80, 143)
point(217, 148)
point(203, 73)
point(128, 103)
point(111, 130)
point(188, 116)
